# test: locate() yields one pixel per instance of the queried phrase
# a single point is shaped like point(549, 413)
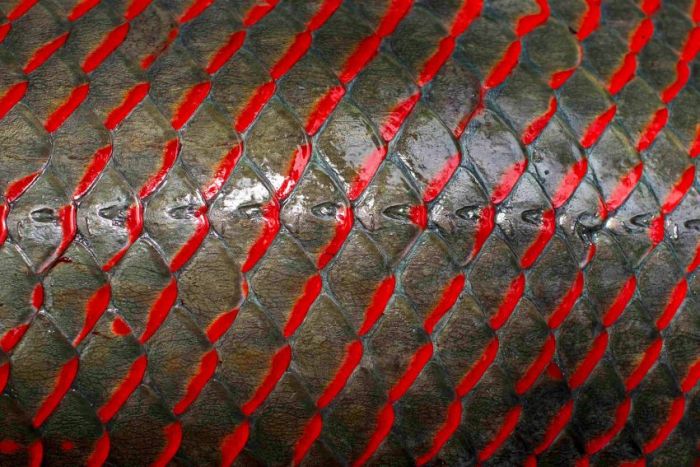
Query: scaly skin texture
point(345, 232)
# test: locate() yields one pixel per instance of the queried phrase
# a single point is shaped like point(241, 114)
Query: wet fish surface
point(348, 232)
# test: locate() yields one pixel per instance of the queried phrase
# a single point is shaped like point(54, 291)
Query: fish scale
point(348, 232)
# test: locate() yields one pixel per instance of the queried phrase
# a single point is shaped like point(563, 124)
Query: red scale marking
point(657, 123)
point(254, 106)
point(190, 103)
point(560, 77)
point(298, 49)
point(589, 362)
point(120, 327)
point(597, 127)
point(540, 123)
point(270, 214)
point(365, 173)
point(148, 60)
point(454, 418)
point(656, 230)
point(173, 438)
point(195, 9)
point(345, 219)
point(65, 110)
point(190, 247)
point(63, 382)
point(378, 304)
point(601, 441)
point(131, 100)
point(397, 116)
point(134, 226)
point(418, 214)
point(624, 188)
point(311, 433)
point(675, 196)
point(675, 416)
point(37, 298)
point(624, 296)
point(8, 446)
point(122, 392)
point(35, 451)
point(364, 53)
point(570, 183)
point(385, 420)
point(436, 61)
point(69, 227)
point(510, 301)
point(206, 369)
point(352, 359)
point(81, 8)
point(22, 8)
point(170, 151)
point(449, 297)
point(11, 97)
point(559, 422)
point(100, 452)
point(16, 188)
point(4, 31)
point(485, 225)
point(11, 338)
point(547, 228)
point(695, 263)
point(110, 43)
point(135, 8)
point(43, 53)
point(94, 308)
point(528, 23)
point(227, 51)
point(537, 367)
point(92, 171)
point(567, 303)
point(678, 295)
point(591, 20)
point(651, 355)
point(233, 444)
point(323, 109)
point(312, 290)
point(278, 365)
point(67, 445)
point(159, 310)
point(4, 211)
point(220, 325)
point(258, 12)
point(505, 66)
point(436, 185)
point(508, 181)
point(4, 375)
point(692, 378)
point(301, 157)
point(509, 422)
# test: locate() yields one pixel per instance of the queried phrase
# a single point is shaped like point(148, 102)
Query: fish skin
point(396, 232)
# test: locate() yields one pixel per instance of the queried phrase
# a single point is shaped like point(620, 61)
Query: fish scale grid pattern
point(386, 232)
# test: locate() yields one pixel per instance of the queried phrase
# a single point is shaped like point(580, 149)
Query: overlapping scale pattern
point(347, 232)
